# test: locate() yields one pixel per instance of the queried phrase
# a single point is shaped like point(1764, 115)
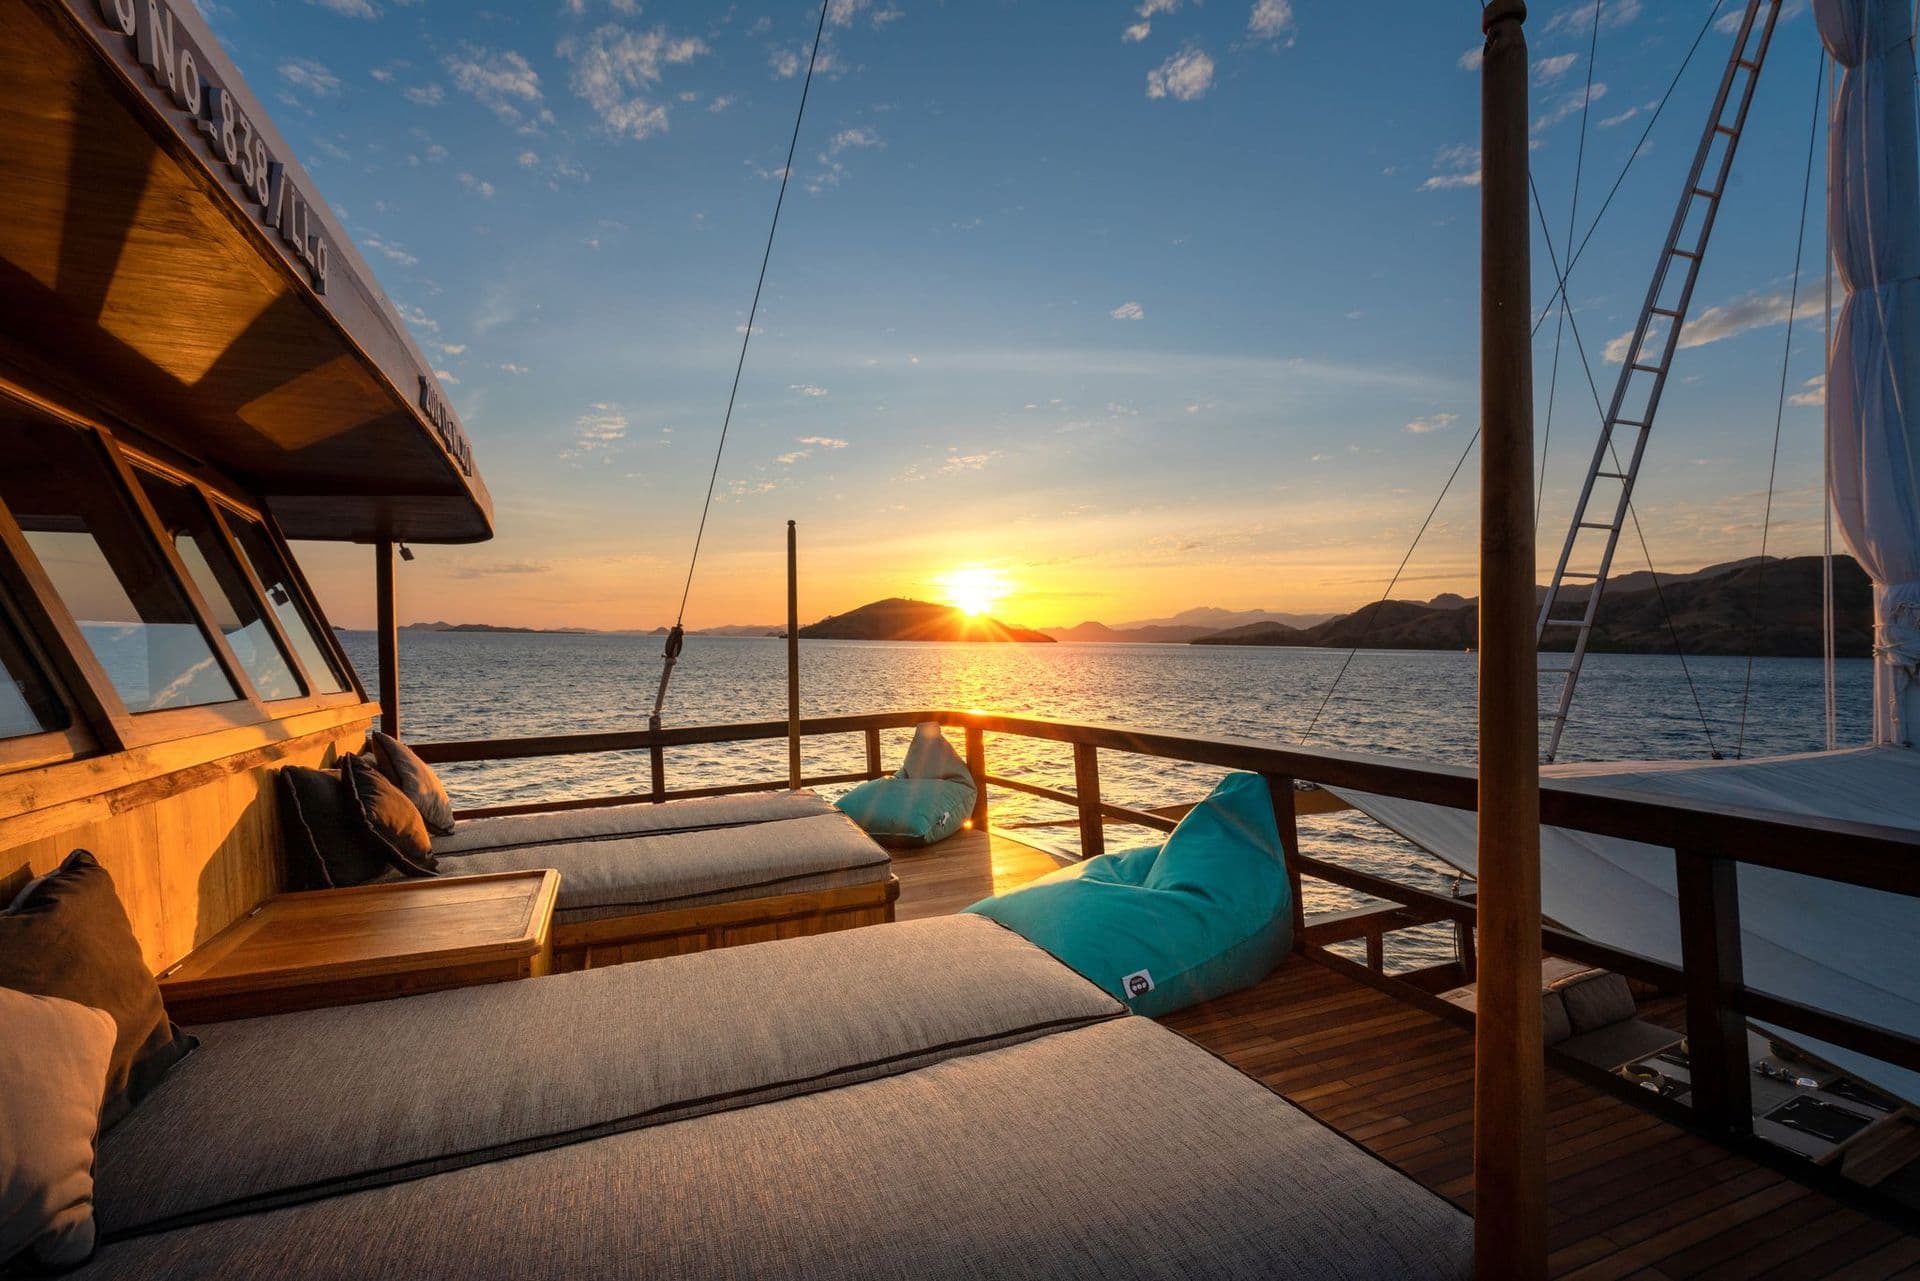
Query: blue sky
point(1141, 305)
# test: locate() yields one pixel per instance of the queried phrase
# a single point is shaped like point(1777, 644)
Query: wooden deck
point(1632, 1196)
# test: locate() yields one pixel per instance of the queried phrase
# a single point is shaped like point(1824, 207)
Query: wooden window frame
point(99, 721)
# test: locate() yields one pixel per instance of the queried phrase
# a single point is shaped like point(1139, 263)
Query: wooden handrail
point(1706, 840)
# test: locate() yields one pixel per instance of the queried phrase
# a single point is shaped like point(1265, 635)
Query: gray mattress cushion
point(624, 874)
point(1116, 1150)
point(601, 822)
point(276, 1109)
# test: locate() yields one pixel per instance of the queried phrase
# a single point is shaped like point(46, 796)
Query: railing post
point(874, 769)
point(387, 637)
point(1086, 786)
point(657, 768)
point(1286, 818)
point(1709, 895)
point(977, 766)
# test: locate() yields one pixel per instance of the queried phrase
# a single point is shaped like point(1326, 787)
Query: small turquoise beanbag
point(1167, 926)
point(926, 801)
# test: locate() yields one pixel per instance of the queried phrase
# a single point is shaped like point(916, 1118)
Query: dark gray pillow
point(67, 935)
point(414, 777)
point(327, 842)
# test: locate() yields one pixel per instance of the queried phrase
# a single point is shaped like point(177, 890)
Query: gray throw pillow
point(413, 776)
point(54, 1055)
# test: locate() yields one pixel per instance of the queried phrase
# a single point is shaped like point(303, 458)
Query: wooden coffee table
point(368, 943)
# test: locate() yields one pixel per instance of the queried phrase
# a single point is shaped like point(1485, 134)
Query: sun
point(973, 589)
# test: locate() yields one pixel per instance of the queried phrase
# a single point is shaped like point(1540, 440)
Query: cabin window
point(186, 519)
point(28, 704)
point(111, 575)
point(288, 605)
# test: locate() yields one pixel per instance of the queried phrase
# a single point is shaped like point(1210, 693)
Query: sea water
point(1418, 705)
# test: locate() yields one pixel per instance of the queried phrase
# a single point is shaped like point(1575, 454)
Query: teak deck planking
point(1629, 1195)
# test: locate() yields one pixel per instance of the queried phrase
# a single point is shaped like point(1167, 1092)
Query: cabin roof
point(167, 263)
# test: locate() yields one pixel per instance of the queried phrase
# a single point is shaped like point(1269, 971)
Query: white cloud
point(1568, 106)
point(310, 76)
point(1457, 165)
point(505, 83)
point(720, 104)
point(1129, 311)
point(446, 377)
point(789, 459)
point(390, 251)
point(612, 67)
point(448, 348)
point(785, 63)
point(1147, 11)
point(1473, 58)
point(968, 462)
point(1610, 121)
point(862, 136)
point(1814, 392)
point(417, 318)
point(1579, 18)
point(1270, 19)
point(529, 159)
point(427, 95)
point(382, 74)
point(822, 442)
point(509, 367)
point(1547, 70)
point(1137, 32)
point(1432, 423)
point(807, 389)
point(350, 8)
point(477, 186)
point(1729, 320)
point(601, 427)
point(436, 153)
point(1185, 76)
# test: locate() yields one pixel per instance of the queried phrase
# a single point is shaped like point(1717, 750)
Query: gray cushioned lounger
point(620, 875)
point(1115, 1150)
point(601, 822)
point(276, 1108)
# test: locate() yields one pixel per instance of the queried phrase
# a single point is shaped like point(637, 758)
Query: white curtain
point(1873, 384)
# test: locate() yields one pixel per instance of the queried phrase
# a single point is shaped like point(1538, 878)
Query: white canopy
point(1838, 947)
point(1873, 383)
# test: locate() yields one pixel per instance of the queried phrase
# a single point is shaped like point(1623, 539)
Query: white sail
point(1873, 381)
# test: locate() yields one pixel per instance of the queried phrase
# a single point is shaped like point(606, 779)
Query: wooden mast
point(793, 659)
point(1509, 1072)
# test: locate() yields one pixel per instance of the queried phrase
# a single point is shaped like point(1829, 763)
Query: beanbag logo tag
point(1137, 984)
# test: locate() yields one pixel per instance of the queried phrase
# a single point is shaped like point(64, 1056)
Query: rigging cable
point(1639, 147)
point(1573, 213)
point(677, 636)
point(1826, 462)
point(1367, 631)
point(1573, 327)
point(1780, 408)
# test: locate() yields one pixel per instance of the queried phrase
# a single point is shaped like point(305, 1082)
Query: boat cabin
point(273, 1003)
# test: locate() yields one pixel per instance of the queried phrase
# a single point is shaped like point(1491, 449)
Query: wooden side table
point(368, 943)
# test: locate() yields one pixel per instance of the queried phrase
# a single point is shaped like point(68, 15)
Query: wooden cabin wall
point(189, 831)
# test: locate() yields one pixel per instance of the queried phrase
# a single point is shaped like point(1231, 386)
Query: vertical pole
point(1708, 890)
point(1086, 786)
point(977, 766)
point(793, 658)
point(386, 637)
point(1509, 1168)
point(1286, 819)
point(874, 769)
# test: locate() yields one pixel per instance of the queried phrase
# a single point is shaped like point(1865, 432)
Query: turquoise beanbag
point(1166, 926)
point(926, 801)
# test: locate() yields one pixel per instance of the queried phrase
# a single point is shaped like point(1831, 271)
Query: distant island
point(1187, 625)
point(899, 619)
point(1745, 607)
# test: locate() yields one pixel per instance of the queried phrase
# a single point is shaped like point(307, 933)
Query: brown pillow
point(406, 771)
point(388, 817)
point(53, 1072)
point(67, 935)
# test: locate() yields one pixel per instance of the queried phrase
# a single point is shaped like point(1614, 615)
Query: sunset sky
point(1130, 307)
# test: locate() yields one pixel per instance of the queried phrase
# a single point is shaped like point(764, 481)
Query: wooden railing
point(1709, 842)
